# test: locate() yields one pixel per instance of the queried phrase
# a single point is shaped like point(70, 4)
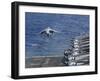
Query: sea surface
point(68, 26)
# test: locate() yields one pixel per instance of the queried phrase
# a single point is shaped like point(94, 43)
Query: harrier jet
point(48, 32)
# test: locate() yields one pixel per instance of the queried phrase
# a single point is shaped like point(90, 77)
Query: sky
point(67, 25)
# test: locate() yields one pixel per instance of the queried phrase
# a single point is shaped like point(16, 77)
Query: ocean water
point(67, 25)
